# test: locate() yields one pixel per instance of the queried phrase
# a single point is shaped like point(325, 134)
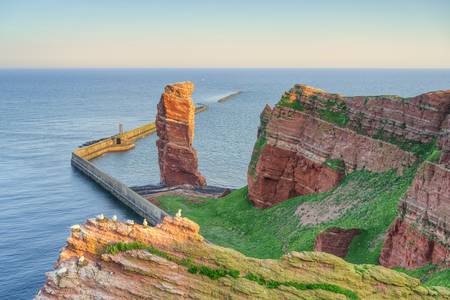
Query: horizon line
point(212, 68)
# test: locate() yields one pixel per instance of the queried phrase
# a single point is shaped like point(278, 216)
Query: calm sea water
point(45, 114)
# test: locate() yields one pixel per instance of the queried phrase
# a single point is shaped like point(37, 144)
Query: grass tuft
point(272, 284)
point(429, 275)
point(336, 164)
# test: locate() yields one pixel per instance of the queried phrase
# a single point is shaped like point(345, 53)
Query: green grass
point(285, 102)
point(336, 117)
point(422, 150)
point(257, 149)
point(212, 273)
point(273, 284)
point(429, 275)
point(120, 247)
point(216, 273)
point(435, 155)
point(234, 222)
point(336, 164)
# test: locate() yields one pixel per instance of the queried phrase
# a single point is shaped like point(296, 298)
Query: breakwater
point(120, 142)
point(229, 96)
point(119, 190)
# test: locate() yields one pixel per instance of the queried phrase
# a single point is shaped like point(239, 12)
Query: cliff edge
point(114, 260)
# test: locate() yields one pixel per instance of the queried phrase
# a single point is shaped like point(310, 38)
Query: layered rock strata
point(294, 151)
point(178, 161)
point(417, 118)
point(421, 233)
point(335, 241)
point(85, 270)
point(301, 139)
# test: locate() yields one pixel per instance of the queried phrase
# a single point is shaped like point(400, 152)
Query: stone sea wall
point(127, 196)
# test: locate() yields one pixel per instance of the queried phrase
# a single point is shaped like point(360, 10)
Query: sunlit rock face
point(86, 270)
point(178, 161)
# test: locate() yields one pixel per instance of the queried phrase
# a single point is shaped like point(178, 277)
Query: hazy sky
point(227, 33)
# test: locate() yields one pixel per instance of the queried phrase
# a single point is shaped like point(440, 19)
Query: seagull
point(178, 215)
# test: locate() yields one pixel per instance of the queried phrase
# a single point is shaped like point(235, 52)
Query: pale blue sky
point(228, 33)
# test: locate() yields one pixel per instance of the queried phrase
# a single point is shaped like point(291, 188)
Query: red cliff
point(311, 138)
point(108, 259)
point(335, 241)
point(421, 233)
point(178, 162)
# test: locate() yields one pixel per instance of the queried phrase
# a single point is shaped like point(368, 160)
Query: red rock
point(178, 161)
point(421, 234)
point(283, 174)
point(335, 241)
point(292, 161)
point(444, 142)
point(416, 118)
point(297, 144)
point(408, 248)
point(85, 270)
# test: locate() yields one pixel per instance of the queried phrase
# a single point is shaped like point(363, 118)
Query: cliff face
point(178, 161)
point(421, 233)
point(309, 132)
point(417, 118)
point(307, 142)
point(113, 260)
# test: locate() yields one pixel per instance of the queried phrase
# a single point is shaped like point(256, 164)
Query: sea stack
point(178, 162)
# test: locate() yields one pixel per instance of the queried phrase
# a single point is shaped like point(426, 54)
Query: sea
point(46, 113)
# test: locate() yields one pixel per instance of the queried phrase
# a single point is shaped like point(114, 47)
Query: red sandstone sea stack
point(178, 162)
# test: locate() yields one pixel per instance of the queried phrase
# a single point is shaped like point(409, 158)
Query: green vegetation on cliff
point(273, 284)
point(422, 150)
point(363, 200)
point(430, 275)
point(334, 112)
point(216, 273)
point(285, 102)
point(257, 149)
point(336, 164)
point(213, 273)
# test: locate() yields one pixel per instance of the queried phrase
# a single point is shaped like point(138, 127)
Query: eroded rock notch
point(335, 240)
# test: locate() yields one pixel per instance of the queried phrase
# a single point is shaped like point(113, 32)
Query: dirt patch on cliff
point(329, 209)
point(313, 213)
